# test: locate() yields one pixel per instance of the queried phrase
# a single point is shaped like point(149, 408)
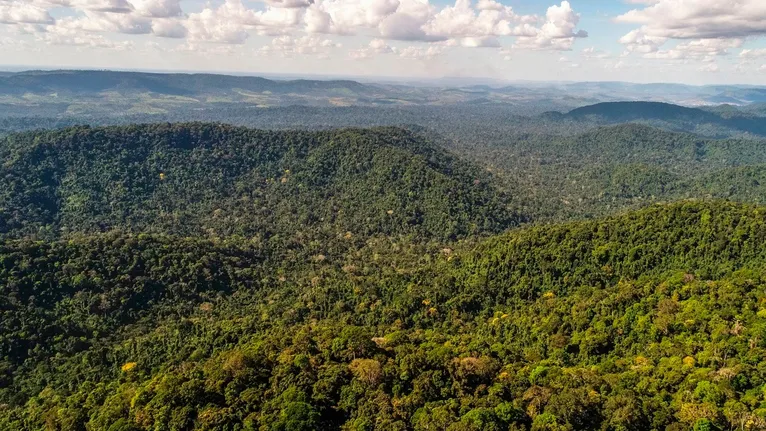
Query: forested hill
point(62, 83)
point(653, 319)
point(672, 117)
point(217, 180)
point(620, 112)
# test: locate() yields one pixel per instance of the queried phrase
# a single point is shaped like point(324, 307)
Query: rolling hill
point(89, 83)
point(216, 180)
point(668, 116)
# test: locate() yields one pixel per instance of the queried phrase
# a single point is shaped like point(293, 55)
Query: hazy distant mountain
point(77, 82)
point(90, 94)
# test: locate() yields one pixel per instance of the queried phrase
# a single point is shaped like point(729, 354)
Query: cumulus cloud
point(301, 26)
point(158, 8)
point(488, 18)
point(347, 16)
point(405, 27)
point(289, 46)
point(375, 47)
point(469, 23)
point(420, 53)
point(559, 31)
point(638, 41)
point(72, 37)
point(17, 12)
point(107, 22)
point(225, 24)
point(170, 28)
point(699, 19)
point(703, 49)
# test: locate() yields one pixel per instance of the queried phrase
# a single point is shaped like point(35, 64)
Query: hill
point(85, 83)
point(647, 320)
point(216, 180)
point(611, 168)
point(671, 117)
point(622, 112)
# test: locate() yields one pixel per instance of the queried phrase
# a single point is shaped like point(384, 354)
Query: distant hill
point(621, 112)
point(669, 116)
point(215, 180)
point(83, 82)
point(102, 95)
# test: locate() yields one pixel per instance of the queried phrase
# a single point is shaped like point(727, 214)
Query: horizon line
point(18, 69)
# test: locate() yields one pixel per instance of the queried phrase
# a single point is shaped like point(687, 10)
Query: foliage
point(649, 320)
point(215, 180)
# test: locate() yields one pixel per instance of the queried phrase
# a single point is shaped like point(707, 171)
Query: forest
point(653, 319)
point(479, 274)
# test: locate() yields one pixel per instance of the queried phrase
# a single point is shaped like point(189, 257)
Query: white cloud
point(752, 53)
point(347, 16)
point(468, 23)
point(375, 47)
point(318, 21)
point(158, 8)
point(17, 12)
point(170, 28)
point(703, 49)
point(72, 37)
point(593, 53)
point(710, 67)
point(297, 25)
point(107, 22)
point(379, 46)
point(289, 46)
point(274, 21)
point(699, 19)
point(557, 33)
point(405, 27)
point(489, 18)
point(226, 24)
point(480, 42)
point(638, 41)
point(417, 53)
point(207, 49)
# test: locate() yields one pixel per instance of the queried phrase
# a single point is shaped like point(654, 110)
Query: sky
point(686, 41)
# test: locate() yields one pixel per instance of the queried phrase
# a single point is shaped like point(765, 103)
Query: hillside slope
point(647, 320)
point(215, 180)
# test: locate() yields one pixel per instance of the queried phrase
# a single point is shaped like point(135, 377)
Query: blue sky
point(631, 40)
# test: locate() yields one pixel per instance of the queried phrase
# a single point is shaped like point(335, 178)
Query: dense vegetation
point(215, 180)
point(558, 172)
point(212, 277)
point(650, 320)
